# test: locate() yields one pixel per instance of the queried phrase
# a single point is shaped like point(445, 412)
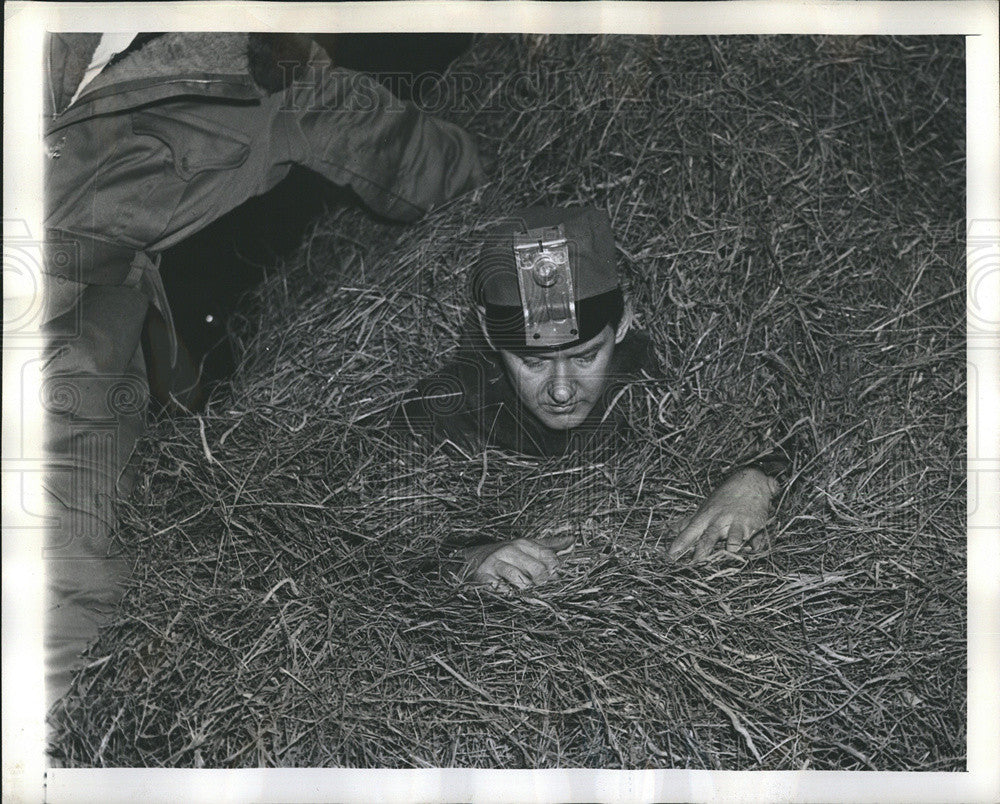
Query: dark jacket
point(472, 403)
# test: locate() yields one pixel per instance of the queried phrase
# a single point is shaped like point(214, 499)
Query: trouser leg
point(95, 396)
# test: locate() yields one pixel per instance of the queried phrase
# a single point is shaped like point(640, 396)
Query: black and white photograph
point(437, 393)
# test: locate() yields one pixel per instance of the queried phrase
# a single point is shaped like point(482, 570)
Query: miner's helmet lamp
point(546, 279)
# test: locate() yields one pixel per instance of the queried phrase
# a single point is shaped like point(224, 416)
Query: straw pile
point(789, 213)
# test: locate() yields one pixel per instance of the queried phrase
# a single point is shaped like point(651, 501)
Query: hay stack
point(789, 213)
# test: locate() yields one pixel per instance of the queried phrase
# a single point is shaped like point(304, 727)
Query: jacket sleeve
point(401, 161)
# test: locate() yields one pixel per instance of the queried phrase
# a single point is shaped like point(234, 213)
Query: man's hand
point(735, 512)
point(521, 563)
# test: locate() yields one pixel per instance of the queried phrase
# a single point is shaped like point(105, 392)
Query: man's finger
point(707, 542)
point(513, 575)
point(557, 542)
point(529, 549)
point(536, 570)
point(736, 537)
point(687, 537)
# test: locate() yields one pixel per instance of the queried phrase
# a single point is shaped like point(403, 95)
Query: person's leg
point(94, 398)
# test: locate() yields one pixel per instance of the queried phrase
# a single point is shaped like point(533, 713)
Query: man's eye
point(532, 363)
point(585, 360)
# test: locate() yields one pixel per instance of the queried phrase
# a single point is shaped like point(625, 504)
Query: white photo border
point(26, 776)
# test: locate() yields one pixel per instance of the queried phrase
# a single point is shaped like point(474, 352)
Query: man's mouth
point(561, 410)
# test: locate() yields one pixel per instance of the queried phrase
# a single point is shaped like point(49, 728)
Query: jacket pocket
point(196, 144)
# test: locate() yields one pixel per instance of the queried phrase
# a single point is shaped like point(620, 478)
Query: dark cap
point(547, 278)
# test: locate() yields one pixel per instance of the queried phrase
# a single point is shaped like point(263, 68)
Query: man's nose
point(560, 386)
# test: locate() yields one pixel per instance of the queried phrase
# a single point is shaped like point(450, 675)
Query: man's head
point(549, 302)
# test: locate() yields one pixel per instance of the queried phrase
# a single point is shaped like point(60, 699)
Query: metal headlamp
point(545, 280)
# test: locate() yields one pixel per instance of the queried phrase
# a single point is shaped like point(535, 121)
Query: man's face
point(561, 388)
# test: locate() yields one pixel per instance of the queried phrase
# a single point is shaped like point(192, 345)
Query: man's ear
point(625, 323)
point(481, 315)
